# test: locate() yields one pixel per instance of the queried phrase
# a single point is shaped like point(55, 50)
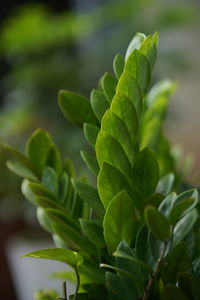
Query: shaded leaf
point(118, 65)
point(109, 84)
point(167, 204)
point(165, 184)
point(99, 103)
point(90, 132)
point(91, 161)
point(173, 293)
point(93, 231)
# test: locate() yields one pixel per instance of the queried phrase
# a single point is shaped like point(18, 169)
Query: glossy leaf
point(109, 84)
point(110, 183)
point(76, 108)
point(99, 103)
point(165, 184)
point(110, 151)
point(157, 223)
point(89, 194)
point(183, 227)
point(181, 208)
point(91, 161)
point(138, 67)
point(118, 65)
point(123, 108)
point(145, 177)
point(130, 88)
point(91, 133)
point(119, 221)
point(135, 43)
point(114, 126)
point(69, 257)
point(167, 204)
point(93, 231)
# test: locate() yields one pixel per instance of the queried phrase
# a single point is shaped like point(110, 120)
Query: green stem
point(77, 283)
point(154, 275)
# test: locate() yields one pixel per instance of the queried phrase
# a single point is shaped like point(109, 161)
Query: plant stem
point(64, 291)
point(77, 283)
point(154, 274)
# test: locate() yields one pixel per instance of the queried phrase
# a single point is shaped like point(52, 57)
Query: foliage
point(135, 224)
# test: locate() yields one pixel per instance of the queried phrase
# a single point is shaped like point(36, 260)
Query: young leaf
point(110, 151)
point(123, 108)
point(118, 65)
point(130, 88)
point(38, 147)
point(157, 223)
point(149, 49)
point(93, 232)
point(50, 180)
point(119, 221)
point(69, 257)
point(99, 103)
point(91, 161)
point(89, 194)
point(109, 84)
point(135, 43)
point(145, 177)
point(76, 108)
point(177, 261)
point(91, 133)
point(110, 183)
point(115, 127)
point(138, 67)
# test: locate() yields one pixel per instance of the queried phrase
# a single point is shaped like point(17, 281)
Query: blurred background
point(50, 45)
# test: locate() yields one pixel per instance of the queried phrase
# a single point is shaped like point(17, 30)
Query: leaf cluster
point(135, 223)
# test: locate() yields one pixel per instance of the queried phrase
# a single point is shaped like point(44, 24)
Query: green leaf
point(50, 180)
point(157, 223)
point(97, 291)
point(54, 159)
point(118, 65)
point(142, 246)
point(135, 43)
point(130, 88)
point(150, 133)
point(38, 147)
point(76, 108)
point(119, 221)
point(173, 293)
point(181, 208)
point(123, 272)
point(40, 190)
point(117, 289)
point(89, 194)
point(185, 285)
point(73, 238)
point(110, 151)
point(109, 84)
point(184, 226)
point(135, 261)
point(69, 257)
point(27, 192)
point(99, 103)
point(138, 67)
point(91, 133)
point(47, 203)
point(149, 48)
point(145, 177)
point(165, 184)
point(91, 161)
point(123, 108)
point(114, 126)
point(110, 183)
point(62, 217)
point(167, 204)
point(193, 193)
point(44, 221)
point(22, 166)
point(177, 261)
point(80, 296)
point(63, 187)
point(93, 231)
